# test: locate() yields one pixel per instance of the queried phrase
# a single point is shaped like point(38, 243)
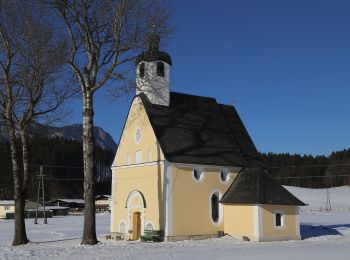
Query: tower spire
point(154, 42)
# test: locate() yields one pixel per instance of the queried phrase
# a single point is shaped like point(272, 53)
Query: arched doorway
point(136, 205)
point(136, 219)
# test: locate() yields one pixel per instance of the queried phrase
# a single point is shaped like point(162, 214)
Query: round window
point(138, 135)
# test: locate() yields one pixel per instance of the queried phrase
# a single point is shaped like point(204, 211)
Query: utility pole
point(41, 191)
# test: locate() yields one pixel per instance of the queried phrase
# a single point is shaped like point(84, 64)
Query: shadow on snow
point(309, 231)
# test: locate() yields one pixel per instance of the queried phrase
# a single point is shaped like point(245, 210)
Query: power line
point(315, 176)
point(311, 165)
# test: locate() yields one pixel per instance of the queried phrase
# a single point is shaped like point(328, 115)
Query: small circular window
point(198, 174)
point(138, 135)
point(224, 176)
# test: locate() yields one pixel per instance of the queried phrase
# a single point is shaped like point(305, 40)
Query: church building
point(187, 167)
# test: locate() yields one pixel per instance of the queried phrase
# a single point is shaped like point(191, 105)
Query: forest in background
point(309, 171)
point(64, 173)
point(63, 170)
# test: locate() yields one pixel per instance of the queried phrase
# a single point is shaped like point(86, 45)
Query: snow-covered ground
point(316, 198)
point(325, 235)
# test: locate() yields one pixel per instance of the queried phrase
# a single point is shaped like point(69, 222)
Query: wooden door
point(136, 232)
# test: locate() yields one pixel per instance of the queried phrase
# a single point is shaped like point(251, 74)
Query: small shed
point(6, 206)
point(58, 210)
point(257, 208)
point(31, 204)
point(103, 202)
point(73, 204)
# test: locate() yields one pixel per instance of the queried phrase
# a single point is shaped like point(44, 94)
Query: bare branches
point(104, 37)
point(32, 84)
point(105, 34)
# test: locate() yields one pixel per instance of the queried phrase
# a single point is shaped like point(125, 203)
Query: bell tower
point(153, 73)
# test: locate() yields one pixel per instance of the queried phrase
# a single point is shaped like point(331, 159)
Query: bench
point(151, 235)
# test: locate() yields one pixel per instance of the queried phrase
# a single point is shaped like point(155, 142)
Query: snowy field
point(325, 235)
point(316, 198)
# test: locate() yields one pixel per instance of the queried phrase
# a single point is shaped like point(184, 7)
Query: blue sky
point(285, 64)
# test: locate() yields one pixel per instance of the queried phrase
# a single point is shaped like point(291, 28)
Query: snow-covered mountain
point(71, 132)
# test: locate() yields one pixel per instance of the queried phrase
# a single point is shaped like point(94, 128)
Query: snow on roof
point(103, 196)
point(72, 200)
point(7, 202)
point(54, 207)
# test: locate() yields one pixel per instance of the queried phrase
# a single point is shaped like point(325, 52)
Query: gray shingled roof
point(198, 130)
point(255, 186)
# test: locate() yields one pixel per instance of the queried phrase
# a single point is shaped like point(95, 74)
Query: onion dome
point(153, 53)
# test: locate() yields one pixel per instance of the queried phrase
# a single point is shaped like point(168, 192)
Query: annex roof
point(255, 186)
point(7, 202)
point(198, 130)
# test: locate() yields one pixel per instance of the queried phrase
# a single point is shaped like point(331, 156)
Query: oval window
point(215, 207)
point(138, 135)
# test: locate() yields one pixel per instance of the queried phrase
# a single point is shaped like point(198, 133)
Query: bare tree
point(104, 36)
point(32, 59)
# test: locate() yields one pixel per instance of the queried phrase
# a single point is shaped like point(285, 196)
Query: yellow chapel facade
point(186, 166)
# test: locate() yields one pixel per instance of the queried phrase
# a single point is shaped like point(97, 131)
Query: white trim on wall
point(135, 101)
point(114, 181)
point(258, 222)
point(138, 165)
point(127, 159)
point(140, 208)
point(168, 199)
point(188, 165)
point(297, 223)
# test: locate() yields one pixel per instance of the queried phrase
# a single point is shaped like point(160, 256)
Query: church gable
point(138, 143)
point(198, 130)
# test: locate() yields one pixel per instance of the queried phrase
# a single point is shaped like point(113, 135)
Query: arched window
point(215, 207)
point(127, 159)
point(198, 174)
point(138, 157)
point(224, 175)
point(149, 226)
point(142, 70)
point(149, 156)
point(160, 69)
point(122, 227)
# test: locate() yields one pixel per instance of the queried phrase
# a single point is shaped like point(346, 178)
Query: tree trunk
point(25, 157)
point(89, 234)
point(20, 236)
